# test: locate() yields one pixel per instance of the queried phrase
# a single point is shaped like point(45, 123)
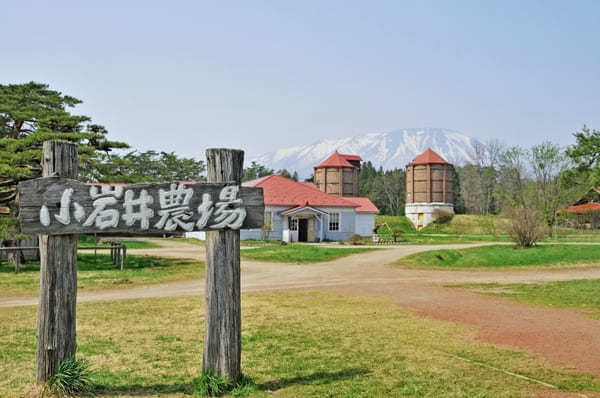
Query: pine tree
point(30, 114)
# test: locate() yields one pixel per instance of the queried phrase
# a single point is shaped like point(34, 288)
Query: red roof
point(281, 191)
point(584, 208)
point(428, 157)
point(309, 184)
point(350, 158)
point(364, 205)
point(337, 159)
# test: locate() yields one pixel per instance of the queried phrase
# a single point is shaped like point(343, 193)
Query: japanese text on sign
point(113, 205)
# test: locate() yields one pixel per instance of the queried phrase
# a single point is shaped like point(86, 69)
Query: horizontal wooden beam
point(16, 248)
point(57, 206)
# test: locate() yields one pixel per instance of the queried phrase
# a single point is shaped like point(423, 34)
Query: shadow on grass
point(144, 390)
point(317, 378)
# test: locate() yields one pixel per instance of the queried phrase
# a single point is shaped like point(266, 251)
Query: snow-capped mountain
point(390, 150)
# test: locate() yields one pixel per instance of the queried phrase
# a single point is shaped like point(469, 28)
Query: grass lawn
point(580, 294)
point(498, 256)
point(103, 274)
point(299, 254)
point(432, 239)
point(295, 344)
point(465, 228)
point(461, 229)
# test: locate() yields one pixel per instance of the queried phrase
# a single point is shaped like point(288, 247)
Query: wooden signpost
point(58, 207)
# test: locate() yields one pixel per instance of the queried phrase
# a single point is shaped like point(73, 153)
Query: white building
point(299, 212)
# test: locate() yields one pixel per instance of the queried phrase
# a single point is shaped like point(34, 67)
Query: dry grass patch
point(307, 344)
point(103, 274)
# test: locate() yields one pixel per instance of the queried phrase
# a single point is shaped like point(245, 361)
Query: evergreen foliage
point(149, 166)
point(256, 170)
point(30, 114)
point(386, 189)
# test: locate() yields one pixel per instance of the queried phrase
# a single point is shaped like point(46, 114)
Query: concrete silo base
point(421, 214)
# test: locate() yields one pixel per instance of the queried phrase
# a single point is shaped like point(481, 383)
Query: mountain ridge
point(392, 149)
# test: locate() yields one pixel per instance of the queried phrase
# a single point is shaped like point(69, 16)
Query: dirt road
point(565, 337)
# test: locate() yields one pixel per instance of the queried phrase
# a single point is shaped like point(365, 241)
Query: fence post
point(18, 262)
point(58, 275)
point(124, 257)
point(118, 254)
point(222, 341)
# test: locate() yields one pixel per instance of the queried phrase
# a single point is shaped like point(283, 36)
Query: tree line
point(545, 177)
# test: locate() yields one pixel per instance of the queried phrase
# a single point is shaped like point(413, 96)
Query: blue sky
point(185, 75)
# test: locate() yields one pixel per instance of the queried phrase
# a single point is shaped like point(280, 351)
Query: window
point(334, 221)
point(269, 220)
point(293, 224)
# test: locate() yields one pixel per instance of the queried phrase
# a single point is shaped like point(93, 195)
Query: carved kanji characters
point(174, 208)
point(205, 210)
point(229, 213)
point(143, 213)
point(101, 216)
point(64, 213)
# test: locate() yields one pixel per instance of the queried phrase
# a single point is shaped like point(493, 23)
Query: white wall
point(201, 235)
point(412, 211)
point(365, 222)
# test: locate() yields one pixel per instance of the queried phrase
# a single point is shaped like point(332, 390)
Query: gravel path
point(565, 337)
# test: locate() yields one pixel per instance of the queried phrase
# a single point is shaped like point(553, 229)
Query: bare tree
point(548, 162)
point(525, 226)
point(512, 177)
point(477, 180)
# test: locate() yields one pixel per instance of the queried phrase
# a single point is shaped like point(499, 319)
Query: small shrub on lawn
point(210, 385)
point(525, 226)
point(73, 377)
point(355, 239)
point(243, 387)
point(441, 216)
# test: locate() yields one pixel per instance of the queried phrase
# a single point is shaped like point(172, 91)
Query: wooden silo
point(429, 186)
point(338, 174)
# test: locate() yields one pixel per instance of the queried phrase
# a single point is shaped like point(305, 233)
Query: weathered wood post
point(18, 262)
point(58, 275)
point(124, 258)
point(57, 207)
point(223, 336)
point(117, 254)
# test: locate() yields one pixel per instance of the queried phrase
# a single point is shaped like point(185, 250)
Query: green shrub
point(355, 239)
point(442, 216)
point(73, 377)
point(209, 385)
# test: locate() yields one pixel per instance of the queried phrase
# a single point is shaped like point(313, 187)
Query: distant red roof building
point(281, 191)
point(428, 157)
point(583, 208)
point(337, 159)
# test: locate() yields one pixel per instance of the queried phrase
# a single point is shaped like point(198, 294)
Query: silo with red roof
point(338, 174)
point(429, 187)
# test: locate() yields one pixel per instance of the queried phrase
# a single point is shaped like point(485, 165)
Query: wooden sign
point(60, 206)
